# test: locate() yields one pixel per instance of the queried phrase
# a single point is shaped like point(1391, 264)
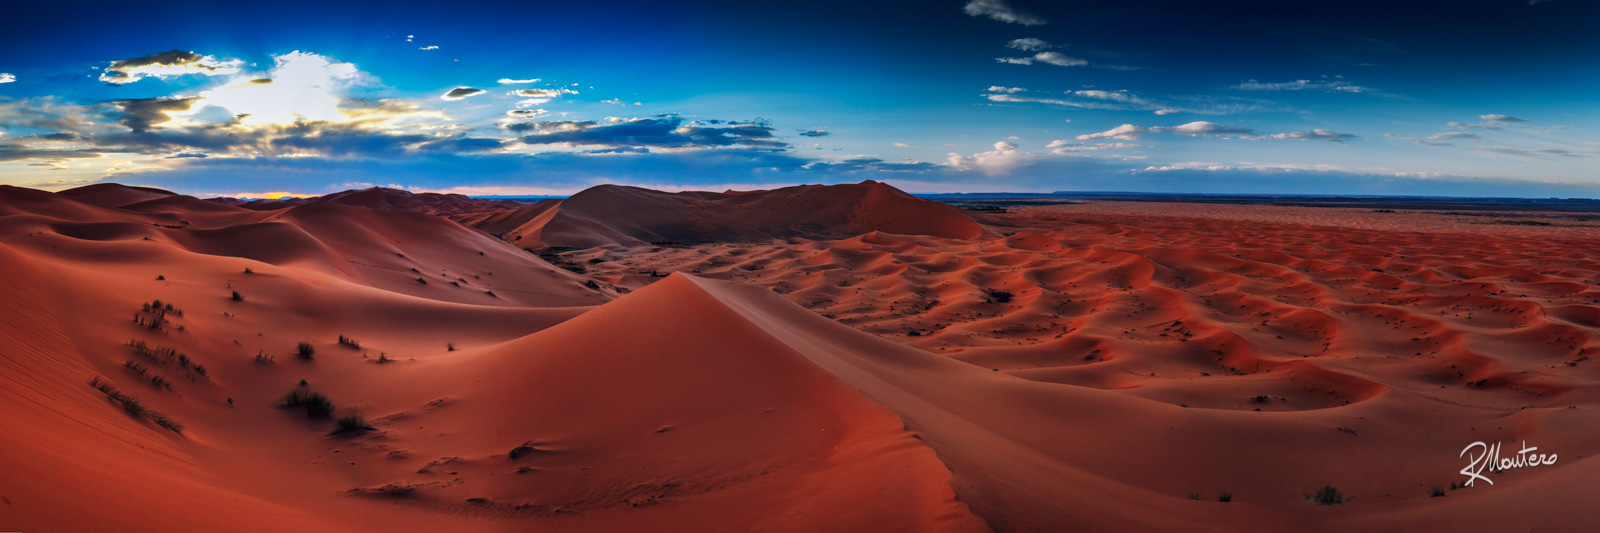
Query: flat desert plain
point(820, 358)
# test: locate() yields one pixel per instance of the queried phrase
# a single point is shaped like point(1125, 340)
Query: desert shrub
point(305, 349)
point(1436, 491)
point(349, 423)
point(161, 278)
point(1328, 495)
point(160, 382)
point(132, 405)
point(1225, 497)
point(1000, 296)
point(315, 404)
point(592, 285)
point(237, 297)
point(134, 366)
point(262, 357)
point(248, 271)
point(347, 341)
point(450, 347)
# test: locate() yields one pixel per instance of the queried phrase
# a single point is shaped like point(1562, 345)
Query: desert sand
point(839, 358)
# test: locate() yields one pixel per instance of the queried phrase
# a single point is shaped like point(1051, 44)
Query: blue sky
point(1489, 97)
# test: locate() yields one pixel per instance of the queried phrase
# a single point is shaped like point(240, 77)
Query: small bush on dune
point(263, 358)
point(1328, 495)
point(1225, 497)
point(347, 341)
point(351, 423)
point(1436, 492)
point(305, 349)
point(1000, 296)
point(237, 297)
point(133, 406)
point(315, 403)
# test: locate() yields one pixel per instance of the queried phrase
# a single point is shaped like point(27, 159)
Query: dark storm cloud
point(462, 92)
point(142, 114)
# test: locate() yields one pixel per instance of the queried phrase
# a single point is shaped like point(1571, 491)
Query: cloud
point(142, 114)
point(1029, 44)
point(542, 93)
point(819, 132)
point(1313, 135)
point(1453, 135)
point(166, 65)
point(509, 81)
point(1121, 100)
point(1536, 152)
point(1007, 90)
point(999, 10)
point(1130, 132)
point(902, 145)
point(1326, 84)
point(1004, 159)
point(660, 132)
point(1060, 146)
point(1052, 58)
point(461, 92)
point(1500, 118)
point(1464, 125)
point(429, 47)
point(526, 113)
point(6, 77)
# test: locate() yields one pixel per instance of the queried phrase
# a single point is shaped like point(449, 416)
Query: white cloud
point(1007, 90)
point(542, 93)
point(1061, 146)
point(300, 86)
point(6, 77)
point(1029, 44)
point(1335, 84)
point(1004, 159)
point(1053, 58)
point(1501, 118)
point(1201, 128)
point(509, 81)
point(1059, 59)
point(429, 47)
point(167, 65)
point(902, 145)
point(1167, 111)
point(1453, 135)
point(999, 10)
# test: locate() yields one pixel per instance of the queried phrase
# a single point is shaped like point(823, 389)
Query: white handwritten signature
point(1491, 460)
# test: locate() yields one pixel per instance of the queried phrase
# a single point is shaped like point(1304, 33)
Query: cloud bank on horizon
point(993, 95)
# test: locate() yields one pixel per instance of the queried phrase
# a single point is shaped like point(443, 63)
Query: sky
point(252, 99)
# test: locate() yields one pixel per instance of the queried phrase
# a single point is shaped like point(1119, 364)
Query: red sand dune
point(1105, 367)
point(619, 216)
point(455, 206)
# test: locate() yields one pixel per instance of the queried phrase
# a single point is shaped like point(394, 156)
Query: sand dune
point(454, 206)
point(619, 216)
point(610, 215)
point(1105, 367)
